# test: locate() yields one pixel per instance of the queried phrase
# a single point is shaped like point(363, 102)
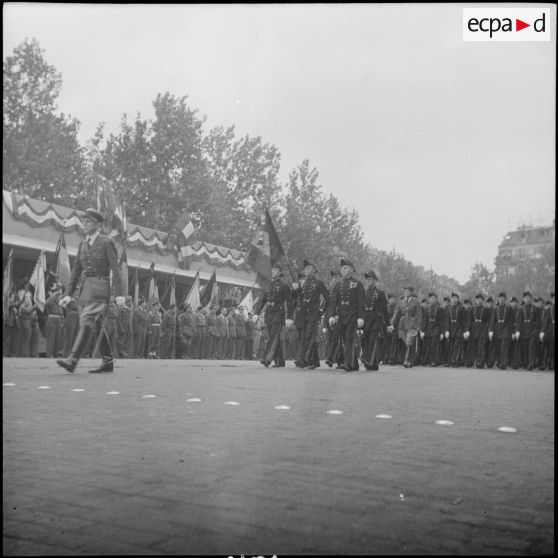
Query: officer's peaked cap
point(371, 275)
point(347, 262)
point(94, 215)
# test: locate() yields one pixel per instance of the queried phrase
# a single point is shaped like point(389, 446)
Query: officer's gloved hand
point(466, 335)
point(517, 335)
point(541, 336)
point(295, 286)
point(64, 300)
point(331, 321)
point(447, 334)
point(360, 323)
point(288, 322)
point(490, 335)
point(422, 334)
point(324, 330)
point(441, 336)
point(390, 329)
point(120, 300)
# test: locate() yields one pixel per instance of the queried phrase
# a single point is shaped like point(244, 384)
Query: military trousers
point(25, 336)
point(54, 335)
point(501, 352)
point(528, 348)
point(138, 341)
point(154, 340)
point(307, 339)
point(476, 352)
point(455, 349)
point(371, 346)
point(431, 352)
point(274, 349)
point(168, 343)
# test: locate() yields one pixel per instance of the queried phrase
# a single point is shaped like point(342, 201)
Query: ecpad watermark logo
point(506, 24)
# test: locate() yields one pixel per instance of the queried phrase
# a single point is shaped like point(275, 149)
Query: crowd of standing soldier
point(345, 323)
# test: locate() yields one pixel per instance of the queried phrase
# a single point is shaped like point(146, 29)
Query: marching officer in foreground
point(432, 331)
point(500, 331)
point(307, 299)
point(278, 314)
point(96, 258)
point(347, 310)
point(376, 319)
point(408, 317)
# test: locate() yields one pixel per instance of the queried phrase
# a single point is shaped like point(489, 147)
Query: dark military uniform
point(221, 324)
point(139, 322)
point(548, 328)
point(240, 337)
point(455, 325)
point(199, 334)
point(54, 326)
point(347, 304)
point(502, 326)
point(26, 312)
point(513, 350)
point(376, 320)
point(390, 341)
point(186, 331)
point(249, 347)
point(212, 335)
point(309, 311)
point(408, 318)
point(123, 330)
point(529, 326)
point(432, 325)
point(277, 298)
point(478, 328)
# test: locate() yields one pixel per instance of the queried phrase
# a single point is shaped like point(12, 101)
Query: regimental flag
point(37, 281)
point(248, 302)
point(172, 295)
point(169, 297)
point(8, 284)
point(113, 210)
point(193, 296)
point(210, 295)
point(136, 289)
point(265, 248)
point(183, 228)
point(124, 270)
point(63, 271)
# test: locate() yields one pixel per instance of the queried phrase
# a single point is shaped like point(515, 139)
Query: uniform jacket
point(169, 320)
point(153, 317)
point(347, 300)
point(240, 326)
point(139, 318)
point(529, 321)
point(222, 325)
point(479, 321)
point(52, 305)
point(279, 302)
point(433, 320)
point(548, 321)
point(455, 320)
point(185, 323)
point(123, 319)
point(231, 322)
point(93, 262)
point(211, 323)
point(408, 314)
point(307, 298)
point(502, 322)
point(376, 315)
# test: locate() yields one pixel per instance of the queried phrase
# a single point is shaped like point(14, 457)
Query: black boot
point(80, 344)
point(107, 364)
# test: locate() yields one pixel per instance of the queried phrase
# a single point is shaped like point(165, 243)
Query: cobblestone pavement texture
point(91, 473)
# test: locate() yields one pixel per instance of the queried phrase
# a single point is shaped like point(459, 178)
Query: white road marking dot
point(193, 400)
point(9, 384)
point(334, 412)
point(282, 407)
point(383, 416)
point(43, 387)
point(78, 389)
point(112, 393)
point(148, 396)
point(444, 422)
point(507, 429)
point(402, 496)
point(232, 403)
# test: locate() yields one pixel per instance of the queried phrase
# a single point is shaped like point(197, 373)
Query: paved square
point(92, 465)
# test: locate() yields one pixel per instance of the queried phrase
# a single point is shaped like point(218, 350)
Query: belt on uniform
point(369, 309)
point(155, 325)
point(55, 315)
point(96, 276)
point(345, 303)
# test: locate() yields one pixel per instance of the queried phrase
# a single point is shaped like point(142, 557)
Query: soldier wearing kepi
point(334, 350)
point(278, 314)
point(478, 330)
point(546, 334)
point(455, 324)
point(408, 316)
point(513, 350)
point(529, 327)
point(500, 331)
point(309, 313)
point(376, 320)
point(347, 309)
point(96, 258)
point(432, 331)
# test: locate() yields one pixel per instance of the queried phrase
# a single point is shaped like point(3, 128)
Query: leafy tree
point(481, 281)
point(41, 153)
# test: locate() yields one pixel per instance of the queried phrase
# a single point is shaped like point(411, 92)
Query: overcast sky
point(437, 142)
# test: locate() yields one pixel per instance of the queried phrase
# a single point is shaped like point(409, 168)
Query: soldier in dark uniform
point(467, 304)
point(168, 332)
point(35, 333)
point(529, 327)
point(539, 303)
point(334, 348)
point(501, 329)
point(455, 324)
point(26, 311)
point(309, 310)
point(154, 321)
point(139, 324)
point(71, 325)
point(546, 334)
point(432, 331)
point(240, 333)
point(279, 307)
point(221, 323)
point(124, 328)
point(478, 333)
point(96, 258)
point(249, 337)
point(11, 328)
point(347, 309)
point(445, 355)
point(513, 350)
point(231, 339)
point(213, 334)
point(408, 318)
point(490, 345)
point(390, 344)
point(55, 322)
point(376, 320)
